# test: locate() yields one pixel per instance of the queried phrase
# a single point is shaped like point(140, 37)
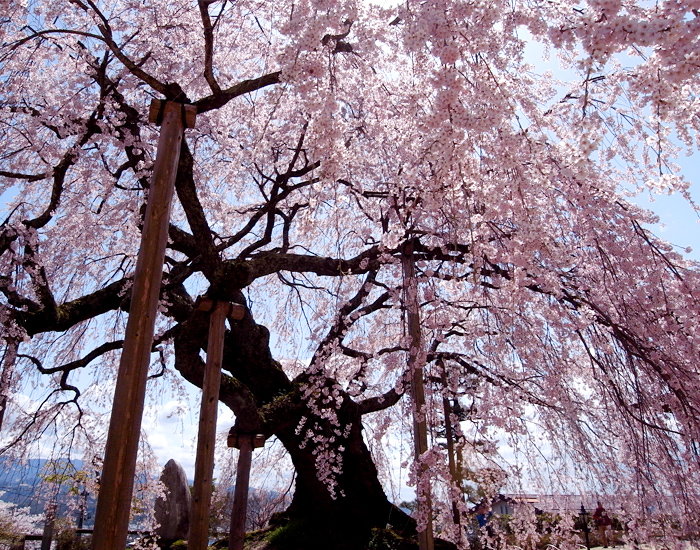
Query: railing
point(19, 545)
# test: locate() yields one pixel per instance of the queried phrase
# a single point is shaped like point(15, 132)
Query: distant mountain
point(23, 484)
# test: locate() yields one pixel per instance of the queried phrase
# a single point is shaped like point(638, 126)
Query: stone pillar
point(173, 511)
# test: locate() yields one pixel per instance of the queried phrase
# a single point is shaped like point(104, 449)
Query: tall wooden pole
point(420, 432)
point(117, 482)
point(198, 538)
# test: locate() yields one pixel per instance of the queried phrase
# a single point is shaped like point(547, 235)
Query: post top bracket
point(155, 112)
point(235, 437)
point(235, 312)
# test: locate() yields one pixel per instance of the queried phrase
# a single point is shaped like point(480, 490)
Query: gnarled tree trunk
point(265, 400)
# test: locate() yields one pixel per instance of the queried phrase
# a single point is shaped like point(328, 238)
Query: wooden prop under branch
point(198, 538)
point(245, 443)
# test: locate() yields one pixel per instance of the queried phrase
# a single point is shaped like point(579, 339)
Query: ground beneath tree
point(297, 539)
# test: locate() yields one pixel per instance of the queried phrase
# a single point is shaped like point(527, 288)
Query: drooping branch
point(78, 363)
point(59, 173)
point(487, 374)
point(617, 393)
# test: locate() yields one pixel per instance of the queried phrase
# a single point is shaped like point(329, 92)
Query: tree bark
point(266, 401)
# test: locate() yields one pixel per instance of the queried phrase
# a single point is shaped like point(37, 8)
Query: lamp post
point(583, 515)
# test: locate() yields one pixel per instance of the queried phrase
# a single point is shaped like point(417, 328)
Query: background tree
point(330, 134)
point(15, 522)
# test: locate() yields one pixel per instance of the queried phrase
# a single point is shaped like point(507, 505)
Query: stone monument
point(173, 511)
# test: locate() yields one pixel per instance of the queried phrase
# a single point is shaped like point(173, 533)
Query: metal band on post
point(235, 439)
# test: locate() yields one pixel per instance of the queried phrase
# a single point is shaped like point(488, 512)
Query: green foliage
point(546, 524)
point(386, 539)
point(295, 531)
point(8, 533)
point(68, 539)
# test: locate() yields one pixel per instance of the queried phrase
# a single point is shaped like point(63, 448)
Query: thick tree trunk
point(342, 513)
point(358, 498)
point(266, 401)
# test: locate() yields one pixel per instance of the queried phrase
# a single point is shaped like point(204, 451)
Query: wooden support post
point(240, 495)
point(450, 437)
point(117, 482)
point(420, 432)
point(49, 523)
point(245, 443)
point(198, 538)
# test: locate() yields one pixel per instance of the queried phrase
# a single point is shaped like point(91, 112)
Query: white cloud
point(171, 428)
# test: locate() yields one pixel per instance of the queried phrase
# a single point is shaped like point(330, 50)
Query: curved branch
point(36, 34)
point(218, 100)
point(189, 339)
point(28, 177)
point(280, 192)
point(194, 211)
point(208, 46)
point(379, 403)
point(40, 282)
point(242, 273)
point(71, 313)
point(78, 364)
point(14, 298)
point(133, 68)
